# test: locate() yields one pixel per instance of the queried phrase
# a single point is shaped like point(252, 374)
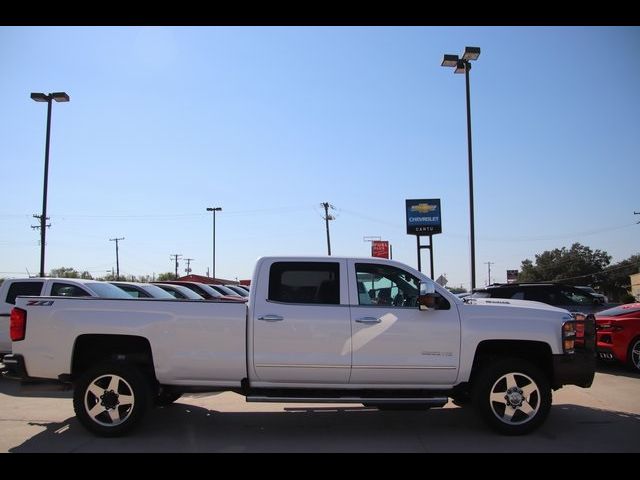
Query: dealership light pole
point(214, 210)
point(42, 97)
point(463, 65)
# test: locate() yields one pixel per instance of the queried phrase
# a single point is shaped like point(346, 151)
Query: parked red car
point(618, 331)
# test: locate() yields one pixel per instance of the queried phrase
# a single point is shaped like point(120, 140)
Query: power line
point(604, 270)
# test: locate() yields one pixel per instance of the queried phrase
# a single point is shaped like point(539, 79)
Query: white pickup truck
point(320, 329)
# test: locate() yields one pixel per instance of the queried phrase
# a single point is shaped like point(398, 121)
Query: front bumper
point(606, 353)
point(578, 368)
point(575, 369)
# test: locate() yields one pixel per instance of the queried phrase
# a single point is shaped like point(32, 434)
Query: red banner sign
point(380, 249)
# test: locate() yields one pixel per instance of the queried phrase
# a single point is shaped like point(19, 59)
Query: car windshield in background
point(157, 292)
point(106, 290)
point(620, 310)
point(587, 289)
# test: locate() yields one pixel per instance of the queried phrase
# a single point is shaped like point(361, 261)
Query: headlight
point(569, 336)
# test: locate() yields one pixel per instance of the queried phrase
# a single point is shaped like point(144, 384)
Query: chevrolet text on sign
point(423, 217)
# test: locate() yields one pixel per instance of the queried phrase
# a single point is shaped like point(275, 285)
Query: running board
point(431, 401)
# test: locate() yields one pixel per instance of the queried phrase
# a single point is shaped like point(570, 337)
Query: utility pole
point(36, 227)
point(188, 269)
point(635, 213)
point(117, 259)
point(489, 266)
point(176, 257)
point(328, 217)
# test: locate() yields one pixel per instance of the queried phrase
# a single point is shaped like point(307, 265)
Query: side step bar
point(431, 401)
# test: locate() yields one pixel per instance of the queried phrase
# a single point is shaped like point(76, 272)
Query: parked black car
point(556, 294)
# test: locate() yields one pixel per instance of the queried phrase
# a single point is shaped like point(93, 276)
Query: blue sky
point(268, 122)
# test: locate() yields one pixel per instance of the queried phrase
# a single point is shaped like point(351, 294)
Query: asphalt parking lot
point(604, 418)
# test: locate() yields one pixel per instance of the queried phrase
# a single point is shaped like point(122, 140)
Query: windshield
point(620, 310)
point(106, 290)
point(157, 292)
point(186, 292)
point(587, 289)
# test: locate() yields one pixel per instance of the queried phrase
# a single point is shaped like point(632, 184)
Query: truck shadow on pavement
point(617, 369)
point(187, 428)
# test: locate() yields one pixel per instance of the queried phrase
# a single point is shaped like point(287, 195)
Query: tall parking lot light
point(42, 97)
point(214, 210)
point(463, 65)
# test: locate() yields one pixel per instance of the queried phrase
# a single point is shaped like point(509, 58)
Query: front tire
point(634, 354)
point(513, 396)
point(109, 400)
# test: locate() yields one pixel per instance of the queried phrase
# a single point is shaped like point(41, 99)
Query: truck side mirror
point(427, 297)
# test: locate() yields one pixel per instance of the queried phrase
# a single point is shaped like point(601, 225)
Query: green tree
point(166, 276)
point(615, 281)
point(574, 266)
point(86, 275)
point(64, 272)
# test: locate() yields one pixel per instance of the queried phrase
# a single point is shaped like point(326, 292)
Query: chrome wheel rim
point(515, 398)
point(635, 355)
point(109, 400)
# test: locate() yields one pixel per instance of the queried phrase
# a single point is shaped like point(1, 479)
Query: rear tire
point(111, 399)
point(513, 396)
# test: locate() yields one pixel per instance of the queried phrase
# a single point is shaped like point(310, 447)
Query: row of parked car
point(617, 326)
point(183, 290)
point(75, 287)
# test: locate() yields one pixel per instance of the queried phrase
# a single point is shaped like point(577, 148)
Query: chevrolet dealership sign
point(423, 217)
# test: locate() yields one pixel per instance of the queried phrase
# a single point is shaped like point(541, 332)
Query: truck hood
point(508, 302)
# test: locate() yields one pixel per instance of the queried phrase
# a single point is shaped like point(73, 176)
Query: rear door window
point(23, 288)
point(68, 290)
point(305, 282)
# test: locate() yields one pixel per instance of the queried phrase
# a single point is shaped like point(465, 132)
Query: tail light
point(613, 326)
point(18, 324)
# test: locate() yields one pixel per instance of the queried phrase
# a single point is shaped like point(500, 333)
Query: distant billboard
point(423, 217)
point(380, 248)
point(512, 276)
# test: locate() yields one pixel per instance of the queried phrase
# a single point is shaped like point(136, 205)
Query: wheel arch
point(90, 350)
point(538, 353)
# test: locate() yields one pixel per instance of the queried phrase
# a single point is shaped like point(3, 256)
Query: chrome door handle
point(368, 320)
point(271, 318)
